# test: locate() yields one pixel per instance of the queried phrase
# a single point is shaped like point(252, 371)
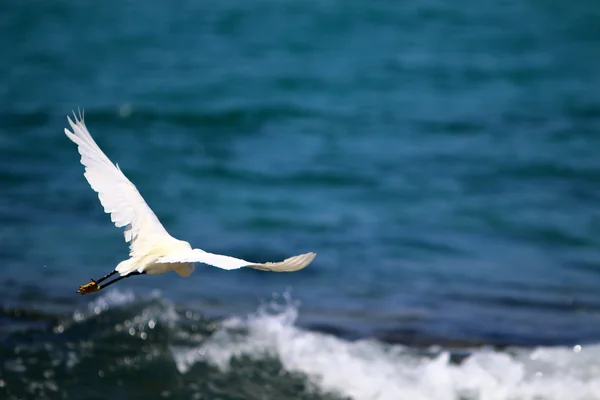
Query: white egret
point(152, 250)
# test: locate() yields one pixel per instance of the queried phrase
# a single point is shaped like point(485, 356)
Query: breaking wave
point(120, 341)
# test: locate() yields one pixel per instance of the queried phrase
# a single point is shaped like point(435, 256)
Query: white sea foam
point(371, 370)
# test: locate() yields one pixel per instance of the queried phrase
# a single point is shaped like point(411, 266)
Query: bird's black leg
point(119, 278)
point(105, 277)
point(94, 286)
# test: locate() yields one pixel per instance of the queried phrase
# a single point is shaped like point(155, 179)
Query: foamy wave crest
point(371, 370)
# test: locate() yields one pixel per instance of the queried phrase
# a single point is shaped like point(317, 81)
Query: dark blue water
point(441, 159)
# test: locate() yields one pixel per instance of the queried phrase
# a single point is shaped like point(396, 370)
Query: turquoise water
point(440, 159)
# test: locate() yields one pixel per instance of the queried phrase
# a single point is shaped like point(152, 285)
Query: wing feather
point(226, 262)
point(118, 196)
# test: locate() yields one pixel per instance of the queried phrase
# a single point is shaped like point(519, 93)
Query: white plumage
point(152, 249)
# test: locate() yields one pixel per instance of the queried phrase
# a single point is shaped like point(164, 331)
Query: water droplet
point(101, 374)
point(131, 331)
point(143, 335)
point(59, 329)
point(577, 348)
point(78, 316)
point(125, 110)
point(151, 324)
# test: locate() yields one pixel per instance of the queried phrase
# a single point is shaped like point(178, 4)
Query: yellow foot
point(89, 287)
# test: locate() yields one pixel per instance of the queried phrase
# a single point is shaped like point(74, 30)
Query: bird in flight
point(152, 250)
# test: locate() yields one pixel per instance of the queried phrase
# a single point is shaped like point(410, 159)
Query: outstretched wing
point(226, 262)
point(118, 195)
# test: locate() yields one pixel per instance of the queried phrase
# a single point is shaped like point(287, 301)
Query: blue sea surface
point(440, 158)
